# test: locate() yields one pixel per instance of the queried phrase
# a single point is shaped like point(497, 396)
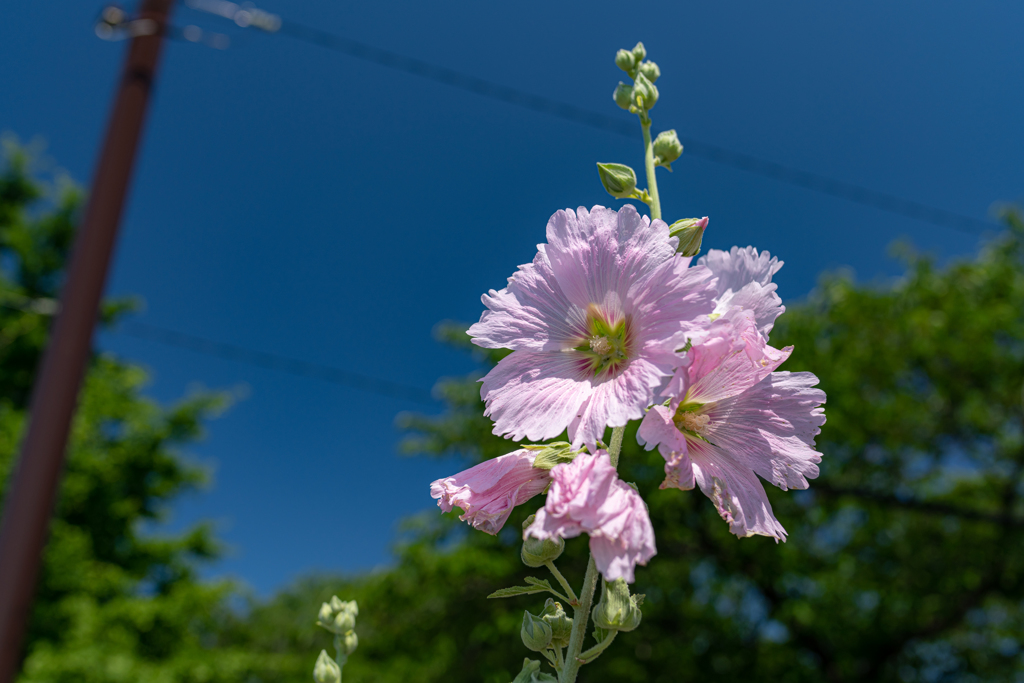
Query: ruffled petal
point(534, 395)
point(599, 251)
point(738, 267)
point(731, 359)
point(736, 492)
point(759, 299)
point(531, 313)
point(770, 429)
point(671, 304)
point(616, 401)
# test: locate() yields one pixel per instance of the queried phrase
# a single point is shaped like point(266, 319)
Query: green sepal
point(551, 454)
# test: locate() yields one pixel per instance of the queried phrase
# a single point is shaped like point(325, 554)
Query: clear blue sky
point(301, 202)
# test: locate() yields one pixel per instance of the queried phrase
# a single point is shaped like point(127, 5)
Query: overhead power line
point(570, 112)
point(248, 16)
point(273, 361)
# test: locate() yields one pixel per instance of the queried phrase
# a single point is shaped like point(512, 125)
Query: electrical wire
point(273, 361)
point(808, 180)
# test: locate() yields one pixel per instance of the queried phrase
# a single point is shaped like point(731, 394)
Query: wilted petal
point(586, 495)
point(487, 492)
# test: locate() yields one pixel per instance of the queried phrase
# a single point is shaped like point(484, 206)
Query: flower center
point(688, 420)
point(606, 349)
point(602, 346)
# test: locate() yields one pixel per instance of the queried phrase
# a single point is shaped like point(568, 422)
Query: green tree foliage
point(113, 603)
point(904, 561)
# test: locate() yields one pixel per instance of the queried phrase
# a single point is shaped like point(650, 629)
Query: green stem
point(616, 446)
point(573, 600)
point(652, 181)
point(579, 624)
point(582, 614)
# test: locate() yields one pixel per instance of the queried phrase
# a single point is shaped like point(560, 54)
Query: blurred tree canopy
point(904, 561)
point(113, 603)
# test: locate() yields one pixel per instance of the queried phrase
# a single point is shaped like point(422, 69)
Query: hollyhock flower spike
point(593, 322)
point(731, 417)
point(487, 492)
point(587, 496)
point(744, 279)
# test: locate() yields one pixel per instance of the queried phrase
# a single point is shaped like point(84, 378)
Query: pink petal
point(487, 492)
point(601, 251)
point(735, 490)
point(659, 430)
point(586, 495)
point(531, 313)
point(534, 395)
point(770, 429)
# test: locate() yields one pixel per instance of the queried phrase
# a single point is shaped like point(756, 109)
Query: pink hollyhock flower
point(593, 322)
point(487, 492)
point(732, 417)
point(745, 280)
point(587, 496)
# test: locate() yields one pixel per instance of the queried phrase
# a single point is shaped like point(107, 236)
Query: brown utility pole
point(32, 489)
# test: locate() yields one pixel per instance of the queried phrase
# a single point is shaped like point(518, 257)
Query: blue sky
point(297, 201)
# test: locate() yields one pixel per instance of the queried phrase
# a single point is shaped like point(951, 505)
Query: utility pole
point(32, 489)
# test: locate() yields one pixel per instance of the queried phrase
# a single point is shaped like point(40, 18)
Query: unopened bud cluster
point(642, 95)
point(338, 617)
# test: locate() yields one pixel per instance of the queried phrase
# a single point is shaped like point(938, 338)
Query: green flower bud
point(645, 94)
point(623, 95)
point(690, 232)
point(624, 60)
point(650, 70)
point(536, 633)
point(639, 53)
point(559, 621)
point(618, 179)
point(326, 670)
point(536, 552)
point(667, 148)
point(338, 616)
point(617, 610)
point(346, 643)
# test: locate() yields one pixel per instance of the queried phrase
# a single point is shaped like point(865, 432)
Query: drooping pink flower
point(587, 496)
point(487, 492)
point(731, 418)
point(593, 323)
point(744, 279)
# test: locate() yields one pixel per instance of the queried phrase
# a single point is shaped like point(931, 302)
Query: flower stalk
point(581, 616)
point(652, 180)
